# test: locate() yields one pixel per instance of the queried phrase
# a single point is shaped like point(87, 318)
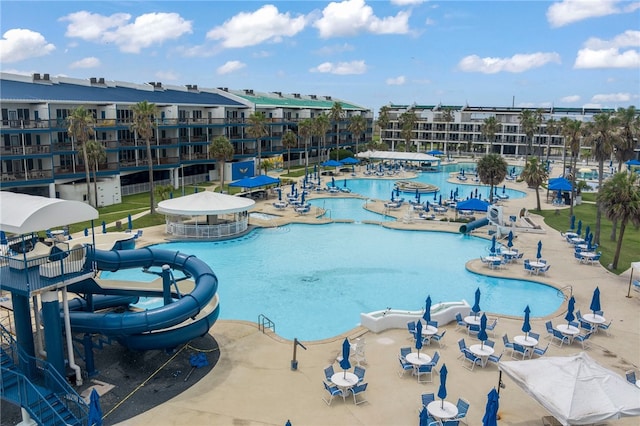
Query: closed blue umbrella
point(440, 200)
point(280, 195)
point(492, 249)
point(573, 223)
point(427, 310)
point(424, 417)
point(491, 412)
point(104, 227)
point(476, 303)
point(344, 184)
point(510, 239)
point(504, 188)
point(442, 390)
point(333, 181)
point(346, 350)
point(435, 196)
point(587, 232)
point(95, 412)
point(539, 253)
point(482, 334)
point(595, 301)
point(426, 207)
point(526, 327)
point(579, 230)
point(418, 336)
point(129, 222)
point(3, 238)
point(392, 195)
point(570, 307)
point(288, 423)
point(86, 232)
point(397, 191)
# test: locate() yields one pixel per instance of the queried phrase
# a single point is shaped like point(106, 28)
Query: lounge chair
point(359, 390)
point(544, 269)
point(549, 327)
point(473, 329)
point(495, 358)
point(404, 352)
point(534, 335)
point(411, 326)
point(492, 327)
point(528, 268)
point(37, 256)
point(605, 327)
point(332, 391)
point(460, 324)
point(463, 408)
point(425, 369)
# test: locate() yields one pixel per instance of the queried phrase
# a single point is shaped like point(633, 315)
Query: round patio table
point(442, 410)
point(414, 359)
point(594, 319)
point(568, 330)
point(482, 351)
point(344, 381)
point(472, 319)
point(525, 341)
point(429, 330)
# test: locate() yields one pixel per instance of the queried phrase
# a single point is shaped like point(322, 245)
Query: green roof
point(306, 101)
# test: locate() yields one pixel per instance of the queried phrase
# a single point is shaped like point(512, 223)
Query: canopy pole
point(630, 281)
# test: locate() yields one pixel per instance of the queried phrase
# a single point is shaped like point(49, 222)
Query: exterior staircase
point(36, 386)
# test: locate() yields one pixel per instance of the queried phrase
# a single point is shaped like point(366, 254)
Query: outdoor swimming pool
point(313, 281)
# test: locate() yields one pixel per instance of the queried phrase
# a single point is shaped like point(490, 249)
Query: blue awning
point(560, 184)
point(474, 204)
point(256, 181)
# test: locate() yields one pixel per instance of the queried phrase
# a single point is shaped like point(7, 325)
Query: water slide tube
point(167, 326)
point(468, 227)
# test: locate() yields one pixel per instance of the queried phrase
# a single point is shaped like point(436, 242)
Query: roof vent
point(93, 80)
point(328, 98)
point(101, 80)
point(278, 93)
point(36, 76)
point(296, 95)
point(45, 77)
point(313, 96)
point(248, 91)
point(225, 89)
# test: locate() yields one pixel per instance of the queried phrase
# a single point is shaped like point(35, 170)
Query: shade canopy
point(255, 181)
point(331, 163)
point(575, 389)
point(474, 204)
point(560, 184)
point(22, 213)
point(205, 203)
point(396, 155)
point(349, 160)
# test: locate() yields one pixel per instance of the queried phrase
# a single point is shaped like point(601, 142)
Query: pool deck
point(253, 383)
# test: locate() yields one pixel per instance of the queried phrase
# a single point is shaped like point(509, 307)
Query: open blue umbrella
point(510, 239)
point(570, 307)
point(418, 336)
point(482, 334)
point(427, 310)
point(442, 390)
point(95, 412)
point(526, 327)
point(346, 351)
point(539, 253)
point(491, 412)
point(595, 301)
point(476, 303)
point(492, 249)
point(579, 230)
point(129, 222)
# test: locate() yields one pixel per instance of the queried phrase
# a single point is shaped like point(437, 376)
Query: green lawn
point(586, 212)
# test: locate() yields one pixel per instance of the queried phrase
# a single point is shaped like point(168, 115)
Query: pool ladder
point(562, 292)
point(264, 322)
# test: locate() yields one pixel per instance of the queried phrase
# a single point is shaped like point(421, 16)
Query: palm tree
point(407, 122)
point(322, 124)
point(222, 150)
point(96, 154)
point(289, 140)
point(552, 128)
point(383, 120)
point(528, 126)
point(357, 126)
point(629, 121)
point(534, 173)
point(538, 118)
point(492, 169)
point(336, 114)
point(490, 127)
point(572, 131)
point(602, 134)
point(619, 197)
point(305, 131)
point(447, 117)
point(81, 122)
point(143, 121)
point(258, 129)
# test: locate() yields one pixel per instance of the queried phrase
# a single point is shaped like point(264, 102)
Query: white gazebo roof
point(394, 155)
point(23, 213)
point(205, 203)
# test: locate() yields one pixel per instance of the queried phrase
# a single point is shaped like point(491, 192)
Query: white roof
point(205, 203)
point(575, 389)
point(394, 155)
point(22, 213)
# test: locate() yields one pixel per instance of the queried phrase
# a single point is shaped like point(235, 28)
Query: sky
point(568, 53)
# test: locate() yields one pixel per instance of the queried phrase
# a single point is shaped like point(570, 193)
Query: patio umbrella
point(288, 423)
point(346, 350)
point(333, 181)
point(3, 238)
point(424, 417)
point(510, 239)
point(442, 390)
point(595, 301)
point(129, 222)
point(526, 327)
point(397, 191)
point(427, 310)
point(418, 336)
point(104, 227)
point(587, 232)
point(491, 412)
point(476, 303)
point(95, 412)
point(492, 249)
point(440, 200)
point(344, 184)
point(426, 207)
point(539, 253)
point(279, 195)
point(86, 232)
point(482, 334)
point(573, 222)
point(504, 188)
point(570, 317)
point(392, 195)
point(579, 230)
point(435, 195)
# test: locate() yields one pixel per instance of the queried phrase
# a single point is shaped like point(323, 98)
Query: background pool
point(313, 281)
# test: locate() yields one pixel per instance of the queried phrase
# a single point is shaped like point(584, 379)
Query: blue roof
point(17, 90)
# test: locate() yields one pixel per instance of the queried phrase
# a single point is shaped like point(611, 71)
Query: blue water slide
point(468, 227)
point(164, 327)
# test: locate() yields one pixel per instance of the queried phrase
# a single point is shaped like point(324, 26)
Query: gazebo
point(206, 215)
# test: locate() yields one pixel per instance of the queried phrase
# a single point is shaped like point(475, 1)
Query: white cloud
point(517, 63)
point(261, 54)
point(611, 97)
point(146, 30)
point(598, 53)
point(90, 62)
point(570, 99)
point(264, 25)
point(332, 50)
point(351, 17)
point(429, 22)
point(570, 11)
point(230, 66)
point(396, 81)
point(341, 68)
point(167, 75)
point(19, 44)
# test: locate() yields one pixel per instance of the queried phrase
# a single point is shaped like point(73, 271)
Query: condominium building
point(38, 156)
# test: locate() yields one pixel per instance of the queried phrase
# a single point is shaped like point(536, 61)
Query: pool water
point(313, 281)
point(348, 208)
